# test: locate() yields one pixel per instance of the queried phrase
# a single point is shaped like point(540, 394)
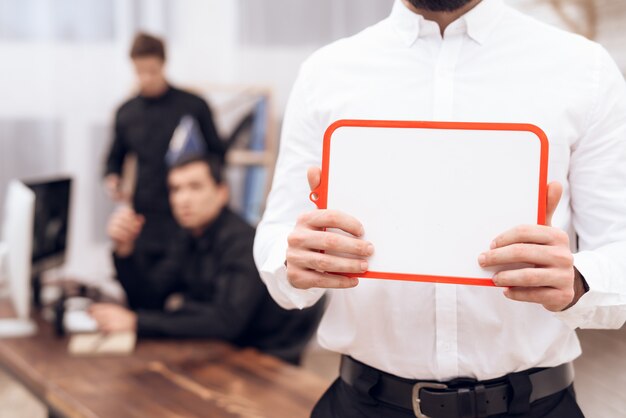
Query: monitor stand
point(14, 328)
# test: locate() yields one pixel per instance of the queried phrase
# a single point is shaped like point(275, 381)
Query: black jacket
point(223, 295)
point(144, 126)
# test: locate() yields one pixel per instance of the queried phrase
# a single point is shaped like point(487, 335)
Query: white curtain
point(268, 23)
point(81, 20)
point(28, 149)
point(59, 20)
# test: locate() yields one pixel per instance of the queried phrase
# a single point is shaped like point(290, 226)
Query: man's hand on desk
point(307, 267)
point(553, 281)
point(124, 228)
point(113, 318)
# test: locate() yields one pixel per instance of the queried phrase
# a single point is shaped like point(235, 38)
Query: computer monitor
point(51, 224)
point(17, 239)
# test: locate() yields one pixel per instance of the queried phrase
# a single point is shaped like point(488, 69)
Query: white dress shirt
point(492, 65)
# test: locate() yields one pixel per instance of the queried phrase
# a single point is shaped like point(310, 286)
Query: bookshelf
point(252, 153)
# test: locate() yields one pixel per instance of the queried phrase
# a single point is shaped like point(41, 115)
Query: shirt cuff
point(274, 274)
point(601, 306)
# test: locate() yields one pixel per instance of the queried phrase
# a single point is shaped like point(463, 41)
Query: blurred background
point(64, 69)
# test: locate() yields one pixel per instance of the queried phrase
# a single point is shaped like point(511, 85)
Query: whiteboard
point(433, 195)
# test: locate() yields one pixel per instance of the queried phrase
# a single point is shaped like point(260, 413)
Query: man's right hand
point(124, 228)
point(113, 186)
point(307, 267)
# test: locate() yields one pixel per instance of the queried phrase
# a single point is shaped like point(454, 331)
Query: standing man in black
point(144, 126)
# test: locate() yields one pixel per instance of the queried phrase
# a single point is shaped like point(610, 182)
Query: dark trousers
point(344, 401)
point(157, 234)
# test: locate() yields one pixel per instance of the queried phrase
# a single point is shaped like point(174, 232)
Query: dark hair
point(214, 163)
point(145, 45)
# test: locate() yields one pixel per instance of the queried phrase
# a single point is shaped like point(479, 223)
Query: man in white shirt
point(437, 350)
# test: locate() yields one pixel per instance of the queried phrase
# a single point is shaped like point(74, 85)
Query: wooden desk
point(161, 379)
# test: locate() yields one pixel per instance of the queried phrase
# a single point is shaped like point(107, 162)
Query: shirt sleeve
point(145, 286)
point(117, 152)
point(300, 148)
point(227, 314)
point(597, 178)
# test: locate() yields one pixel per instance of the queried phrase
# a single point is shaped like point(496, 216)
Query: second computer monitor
point(51, 222)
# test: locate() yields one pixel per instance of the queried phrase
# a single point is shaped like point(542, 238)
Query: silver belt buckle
point(415, 399)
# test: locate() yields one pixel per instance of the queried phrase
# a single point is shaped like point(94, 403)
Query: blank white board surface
point(433, 195)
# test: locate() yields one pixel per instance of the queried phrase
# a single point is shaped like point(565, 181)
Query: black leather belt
point(454, 399)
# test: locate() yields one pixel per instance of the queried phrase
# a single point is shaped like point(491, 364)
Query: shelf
point(247, 157)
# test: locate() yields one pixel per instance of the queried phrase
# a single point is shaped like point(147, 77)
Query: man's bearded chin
point(439, 5)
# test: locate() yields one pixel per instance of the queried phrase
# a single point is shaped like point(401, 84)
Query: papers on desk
point(94, 344)
point(433, 195)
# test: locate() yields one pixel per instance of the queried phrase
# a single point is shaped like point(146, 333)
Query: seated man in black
point(207, 286)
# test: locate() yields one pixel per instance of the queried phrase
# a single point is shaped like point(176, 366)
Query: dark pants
point(344, 401)
point(157, 233)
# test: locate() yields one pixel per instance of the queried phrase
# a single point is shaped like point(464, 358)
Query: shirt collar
point(163, 96)
point(205, 241)
point(478, 22)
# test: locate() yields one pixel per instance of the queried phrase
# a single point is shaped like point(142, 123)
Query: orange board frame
point(319, 196)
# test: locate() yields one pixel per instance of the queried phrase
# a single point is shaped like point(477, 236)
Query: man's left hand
point(113, 318)
point(552, 281)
